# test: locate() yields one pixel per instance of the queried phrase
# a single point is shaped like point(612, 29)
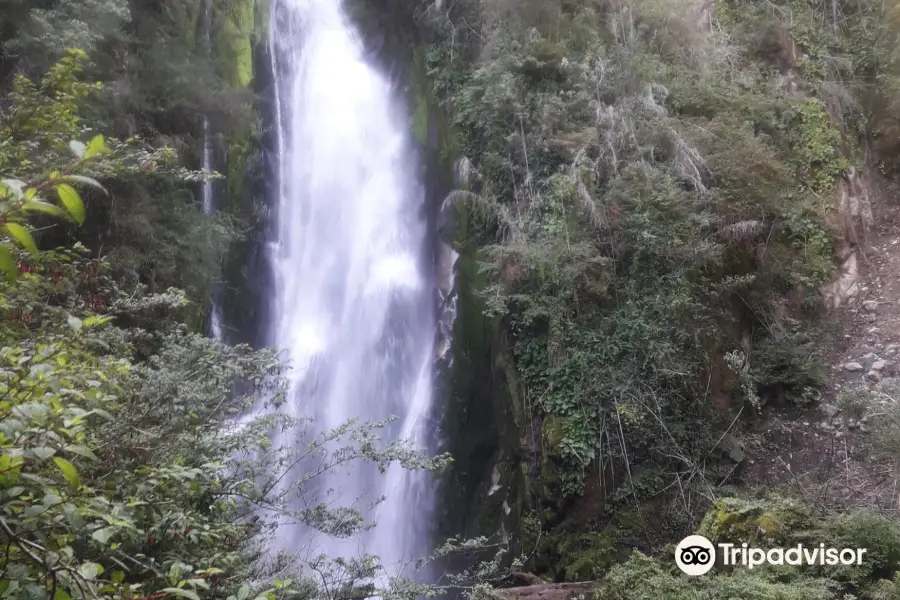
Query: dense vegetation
point(135, 460)
point(159, 79)
point(646, 213)
point(648, 219)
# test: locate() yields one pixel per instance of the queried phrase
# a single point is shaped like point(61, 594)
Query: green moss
point(766, 522)
point(234, 43)
point(552, 433)
point(420, 120)
point(594, 560)
point(238, 157)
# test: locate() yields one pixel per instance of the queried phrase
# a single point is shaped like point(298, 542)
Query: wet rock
point(879, 364)
point(853, 366)
point(874, 375)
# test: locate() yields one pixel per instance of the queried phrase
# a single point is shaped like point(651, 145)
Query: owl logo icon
point(695, 555)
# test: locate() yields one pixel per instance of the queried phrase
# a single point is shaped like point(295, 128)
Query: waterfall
point(207, 193)
point(353, 299)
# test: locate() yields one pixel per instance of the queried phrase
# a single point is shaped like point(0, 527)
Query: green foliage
point(135, 455)
point(43, 32)
point(156, 232)
point(765, 522)
point(158, 76)
point(654, 193)
point(878, 535)
point(815, 147)
point(773, 521)
point(787, 367)
point(122, 476)
point(642, 578)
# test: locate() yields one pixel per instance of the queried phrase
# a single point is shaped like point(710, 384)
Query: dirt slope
point(827, 452)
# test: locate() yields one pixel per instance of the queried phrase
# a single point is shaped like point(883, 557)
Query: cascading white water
point(209, 207)
point(207, 193)
point(353, 298)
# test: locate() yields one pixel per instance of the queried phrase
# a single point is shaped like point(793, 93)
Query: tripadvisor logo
point(696, 555)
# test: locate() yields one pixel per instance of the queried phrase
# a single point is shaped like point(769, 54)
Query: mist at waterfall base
point(353, 300)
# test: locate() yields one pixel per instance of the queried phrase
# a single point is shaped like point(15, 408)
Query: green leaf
point(81, 451)
point(72, 201)
point(74, 322)
point(7, 264)
point(85, 180)
point(68, 470)
point(103, 535)
point(61, 594)
point(95, 320)
point(30, 193)
point(34, 510)
point(23, 236)
point(44, 207)
point(14, 186)
point(90, 570)
point(181, 592)
point(243, 591)
point(43, 453)
point(103, 413)
point(95, 147)
point(117, 576)
point(196, 582)
point(14, 492)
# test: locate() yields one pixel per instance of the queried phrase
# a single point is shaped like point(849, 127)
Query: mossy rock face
point(552, 432)
point(595, 556)
point(766, 522)
point(234, 43)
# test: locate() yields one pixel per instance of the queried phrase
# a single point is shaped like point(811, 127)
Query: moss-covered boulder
point(762, 522)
